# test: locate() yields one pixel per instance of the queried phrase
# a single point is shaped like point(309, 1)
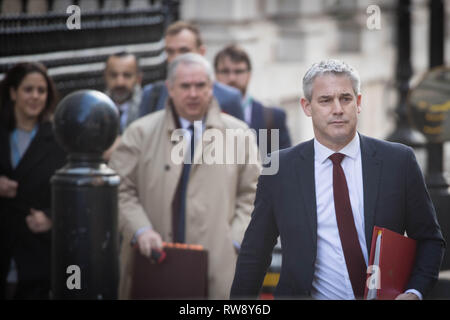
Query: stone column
point(11, 7)
point(139, 4)
point(61, 5)
point(223, 22)
point(303, 28)
point(88, 5)
point(114, 4)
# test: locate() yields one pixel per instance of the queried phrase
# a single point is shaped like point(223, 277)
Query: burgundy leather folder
point(183, 274)
point(393, 256)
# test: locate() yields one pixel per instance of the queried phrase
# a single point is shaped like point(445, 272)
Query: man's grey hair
point(189, 59)
point(331, 66)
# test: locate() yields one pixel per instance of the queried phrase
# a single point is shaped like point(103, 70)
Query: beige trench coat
point(219, 196)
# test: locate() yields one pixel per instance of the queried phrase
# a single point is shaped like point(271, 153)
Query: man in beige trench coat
point(219, 197)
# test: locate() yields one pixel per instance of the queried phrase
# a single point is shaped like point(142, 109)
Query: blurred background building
point(388, 42)
point(283, 37)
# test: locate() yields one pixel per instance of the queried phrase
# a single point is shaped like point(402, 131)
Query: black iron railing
point(75, 57)
point(24, 34)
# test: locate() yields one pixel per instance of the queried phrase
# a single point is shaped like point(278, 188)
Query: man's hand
point(8, 187)
point(38, 222)
point(407, 296)
point(149, 240)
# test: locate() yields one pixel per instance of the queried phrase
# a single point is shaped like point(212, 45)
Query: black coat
point(395, 197)
point(31, 251)
point(278, 115)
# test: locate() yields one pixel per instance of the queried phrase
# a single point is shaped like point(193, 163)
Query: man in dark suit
point(182, 37)
point(328, 195)
point(233, 67)
point(123, 77)
point(123, 85)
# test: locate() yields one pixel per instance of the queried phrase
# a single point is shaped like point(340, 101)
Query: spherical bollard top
point(86, 122)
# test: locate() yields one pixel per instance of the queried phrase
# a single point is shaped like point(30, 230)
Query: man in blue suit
point(328, 195)
point(182, 37)
point(233, 67)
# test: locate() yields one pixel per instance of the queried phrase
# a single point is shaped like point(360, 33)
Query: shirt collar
point(198, 125)
point(124, 106)
point(351, 150)
point(247, 101)
point(184, 123)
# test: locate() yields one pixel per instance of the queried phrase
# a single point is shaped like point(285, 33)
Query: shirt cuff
point(236, 245)
point(138, 233)
point(417, 293)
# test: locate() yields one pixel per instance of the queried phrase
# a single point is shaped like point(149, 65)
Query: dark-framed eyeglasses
point(227, 72)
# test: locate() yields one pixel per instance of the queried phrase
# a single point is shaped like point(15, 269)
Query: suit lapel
point(163, 96)
point(37, 149)
point(304, 170)
point(257, 121)
point(5, 155)
point(371, 170)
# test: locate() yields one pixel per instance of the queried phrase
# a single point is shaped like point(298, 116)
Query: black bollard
point(84, 200)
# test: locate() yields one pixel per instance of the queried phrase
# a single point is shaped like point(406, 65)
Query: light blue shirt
point(19, 140)
point(199, 127)
point(124, 115)
point(247, 107)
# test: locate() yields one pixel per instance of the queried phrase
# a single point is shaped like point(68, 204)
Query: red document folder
point(392, 257)
point(183, 274)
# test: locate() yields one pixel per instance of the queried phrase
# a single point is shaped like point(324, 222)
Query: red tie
point(354, 258)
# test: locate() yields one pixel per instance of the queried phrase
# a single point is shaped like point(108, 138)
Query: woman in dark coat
point(29, 156)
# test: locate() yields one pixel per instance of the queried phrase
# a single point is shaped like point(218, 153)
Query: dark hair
point(124, 54)
point(121, 54)
point(178, 26)
point(13, 78)
point(235, 53)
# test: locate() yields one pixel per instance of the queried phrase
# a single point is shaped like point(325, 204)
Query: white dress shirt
point(331, 279)
point(199, 127)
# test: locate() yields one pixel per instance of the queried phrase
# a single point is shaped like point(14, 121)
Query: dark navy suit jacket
point(279, 122)
point(229, 99)
point(31, 251)
point(395, 197)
